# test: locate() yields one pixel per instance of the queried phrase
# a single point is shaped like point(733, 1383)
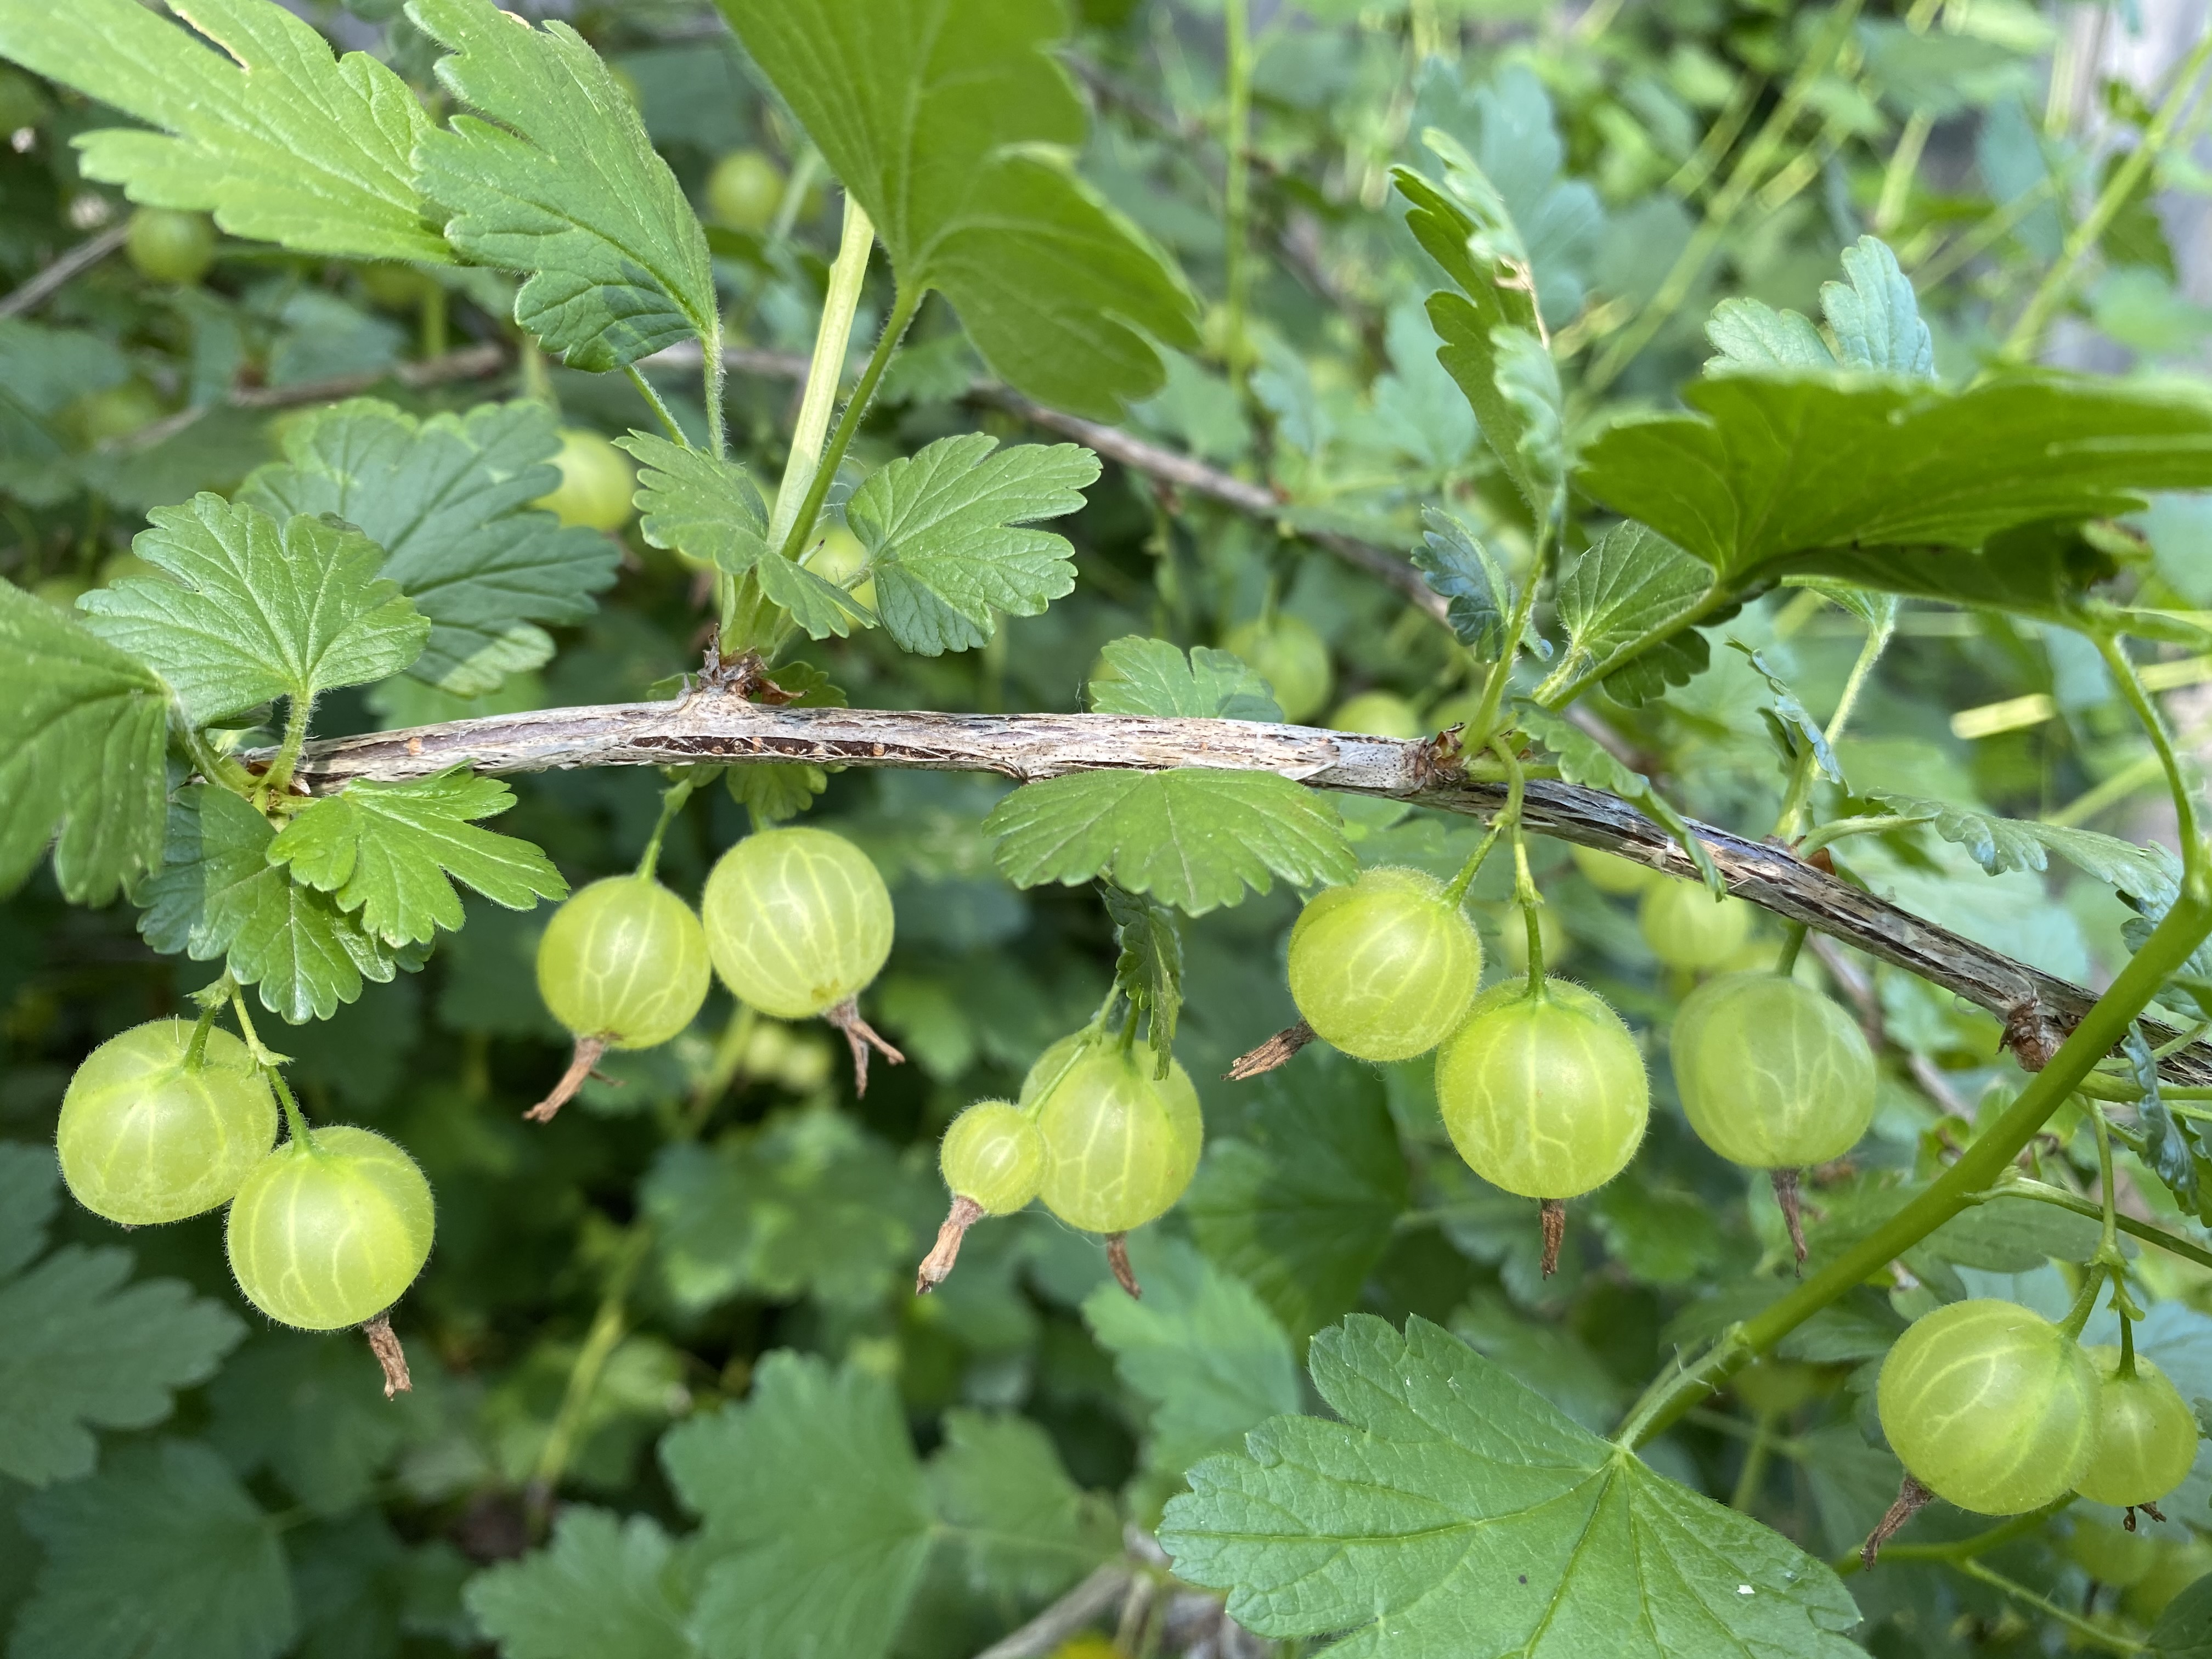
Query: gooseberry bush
point(923, 827)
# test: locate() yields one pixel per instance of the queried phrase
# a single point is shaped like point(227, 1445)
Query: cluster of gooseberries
point(1540, 1085)
point(796, 921)
point(2000, 1411)
point(176, 1118)
point(1101, 1134)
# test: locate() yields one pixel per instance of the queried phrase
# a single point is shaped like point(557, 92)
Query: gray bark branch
point(726, 730)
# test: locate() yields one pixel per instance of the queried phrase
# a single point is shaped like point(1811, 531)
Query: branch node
point(1552, 1217)
point(937, 1267)
point(384, 1343)
point(2029, 1035)
point(1117, 1258)
point(1275, 1051)
point(1911, 1499)
point(859, 1037)
point(744, 675)
point(580, 1065)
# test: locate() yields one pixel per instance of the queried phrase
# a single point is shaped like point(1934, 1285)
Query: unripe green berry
point(993, 1154)
point(1990, 1406)
point(1772, 1075)
point(1290, 656)
point(798, 920)
point(1686, 927)
point(596, 482)
point(1121, 1146)
point(2146, 1434)
point(1384, 968)
point(625, 961)
point(144, 1138)
point(1544, 1095)
point(328, 1231)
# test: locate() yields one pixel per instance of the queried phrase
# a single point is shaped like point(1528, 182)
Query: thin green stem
point(607, 1324)
point(2146, 711)
point(196, 1050)
point(260, 1056)
point(1903, 165)
point(662, 412)
point(833, 339)
point(1484, 727)
point(2027, 332)
point(2085, 1300)
point(1817, 838)
point(817, 491)
point(673, 800)
point(277, 781)
point(1752, 1478)
point(715, 371)
point(2101, 1029)
point(2096, 1634)
point(1236, 190)
point(295, 1121)
point(2108, 1239)
point(1455, 889)
point(1800, 792)
point(1793, 942)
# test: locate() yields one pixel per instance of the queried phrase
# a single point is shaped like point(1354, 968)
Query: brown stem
point(1551, 1216)
point(936, 1266)
point(859, 1037)
point(1793, 1212)
point(1117, 1258)
point(730, 731)
point(384, 1343)
point(588, 1050)
point(1275, 1051)
point(1911, 1499)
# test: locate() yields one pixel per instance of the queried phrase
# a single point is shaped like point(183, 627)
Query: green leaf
point(255, 124)
point(2183, 1630)
point(1201, 1350)
point(1015, 1524)
point(606, 1587)
point(1453, 1512)
point(81, 754)
point(1795, 730)
point(1149, 970)
point(1151, 677)
point(1583, 760)
point(1770, 467)
point(1477, 598)
point(695, 504)
point(1490, 343)
point(943, 541)
point(808, 1203)
point(1875, 319)
point(774, 790)
point(450, 500)
point(1631, 589)
point(949, 124)
point(253, 608)
point(1193, 838)
point(2151, 873)
point(562, 181)
point(162, 1555)
point(218, 897)
point(1303, 1202)
point(820, 606)
point(2167, 1150)
point(393, 851)
point(817, 1516)
point(30, 1193)
point(305, 1408)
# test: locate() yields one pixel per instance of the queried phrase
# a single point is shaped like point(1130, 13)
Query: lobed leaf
point(1477, 598)
point(1794, 729)
point(949, 121)
point(1149, 970)
point(251, 608)
point(254, 123)
point(563, 182)
point(1631, 589)
point(1151, 677)
point(82, 754)
point(604, 1588)
point(944, 541)
point(219, 899)
point(1193, 838)
point(1452, 1511)
point(450, 499)
point(698, 505)
point(393, 851)
point(1874, 316)
point(162, 1555)
point(2148, 873)
point(818, 1515)
point(1014, 1523)
point(1768, 467)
